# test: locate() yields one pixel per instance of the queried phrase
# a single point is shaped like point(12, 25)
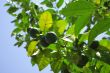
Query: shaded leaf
point(83, 37)
point(12, 9)
point(99, 28)
point(80, 23)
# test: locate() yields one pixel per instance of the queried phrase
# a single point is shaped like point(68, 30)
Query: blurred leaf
point(60, 2)
point(105, 43)
point(71, 30)
point(12, 9)
point(56, 65)
point(86, 70)
point(48, 3)
point(108, 32)
point(105, 54)
point(52, 46)
point(105, 69)
point(19, 43)
point(83, 37)
point(16, 31)
point(32, 47)
point(80, 23)
point(45, 21)
point(61, 25)
point(99, 28)
point(80, 7)
point(74, 69)
point(7, 4)
point(42, 61)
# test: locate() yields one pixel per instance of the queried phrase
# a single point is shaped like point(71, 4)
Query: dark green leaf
point(60, 2)
point(80, 23)
point(12, 9)
point(99, 28)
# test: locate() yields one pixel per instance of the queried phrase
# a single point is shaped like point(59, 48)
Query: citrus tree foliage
point(62, 33)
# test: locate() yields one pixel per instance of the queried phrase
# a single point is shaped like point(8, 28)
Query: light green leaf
point(60, 2)
point(83, 37)
point(61, 25)
point(45, 21)
point(99, 28)
point(32, 47)
point(80, 23)
point(43, 61)
point(71, 30)
point(56, 65)
point(80, 7)
point(105, 69)
point(105, 43)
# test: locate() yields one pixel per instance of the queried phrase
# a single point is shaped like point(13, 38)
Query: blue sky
point(12, 59)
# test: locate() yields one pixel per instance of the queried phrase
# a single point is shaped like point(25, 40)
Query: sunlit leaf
point(105, 43)
point(45, 21)
point(80, 7)
point(61, 24)
point(83, 37)
point(32, 47)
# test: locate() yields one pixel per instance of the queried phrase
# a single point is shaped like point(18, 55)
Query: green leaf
point(60, 2)
point(105, 54)
point(105, 69)
point(74, 69)
point(32, 47)
point(45, 21)
point(105, 43)
point(48, 3)
point(83, 37)
point(16, 31)
point(99, 28)
point(86, 70)
point(80, 7)
point(12, 9)
point(61, 25)
point(80, 23)
point(56, 65)
point(42, 61)
point(71, 30)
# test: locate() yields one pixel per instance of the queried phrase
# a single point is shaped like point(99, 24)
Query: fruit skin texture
point(48, 39)
point(43, 41)
point(51, 37)
point(33, 32)
point(94, 45)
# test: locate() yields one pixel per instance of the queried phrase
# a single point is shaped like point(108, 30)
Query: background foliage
point(63, 33)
